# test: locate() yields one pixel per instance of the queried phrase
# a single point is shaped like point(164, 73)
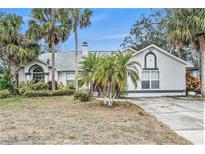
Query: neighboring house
point(161, 73)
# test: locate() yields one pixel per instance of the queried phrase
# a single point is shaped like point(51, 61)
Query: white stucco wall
point(50, 74)
point(24, 71)
point(29, 65)
point(59, 76)
point(171, 74)
point(21, 75)
point(64, 76)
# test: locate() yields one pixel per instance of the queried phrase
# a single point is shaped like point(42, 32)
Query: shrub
point(38, 93)
point(4, 93)
point(6, 82)
point(61, 86)
point(49, 84)
point(82, 95)
point(71, 86)
point(192, 83)
point(198, 91)
point(31, 86)
point(25, 86)
point(76, 95)
point(60, 93)
point(40, 86)
point(63, 92)
point(71, 92)
point(68, 86)
point(48, 93)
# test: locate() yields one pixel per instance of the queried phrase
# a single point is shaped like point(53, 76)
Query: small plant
point(4, 93)
point(82, 95)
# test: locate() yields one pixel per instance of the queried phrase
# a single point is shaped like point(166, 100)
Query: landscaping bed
point(63, 120)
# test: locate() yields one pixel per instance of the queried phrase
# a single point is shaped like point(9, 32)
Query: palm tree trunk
point(53, 56)
point(202, 50)
point(76, 60)
point(53, 65)
point(13, 71)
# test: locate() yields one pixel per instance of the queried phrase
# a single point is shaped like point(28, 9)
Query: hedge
point(48, 93)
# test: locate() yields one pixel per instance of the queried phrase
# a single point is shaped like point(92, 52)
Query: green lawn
point(61, 120)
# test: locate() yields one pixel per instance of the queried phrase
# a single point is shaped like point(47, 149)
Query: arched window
point(150, 61)
point(150, 73)
point(38, 74)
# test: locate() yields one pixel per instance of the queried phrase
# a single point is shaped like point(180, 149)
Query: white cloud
point(99, 17)
point(111, 37)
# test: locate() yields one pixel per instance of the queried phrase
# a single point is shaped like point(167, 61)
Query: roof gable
point(160, 50)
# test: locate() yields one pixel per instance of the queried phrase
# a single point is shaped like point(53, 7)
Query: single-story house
point(161, 73)
point(40, 68)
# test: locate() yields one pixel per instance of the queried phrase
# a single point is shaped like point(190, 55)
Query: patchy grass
point(10, 100)
point(61, 120)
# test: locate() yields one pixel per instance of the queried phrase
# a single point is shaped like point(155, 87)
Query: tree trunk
point(179, 52)
point(91, 87)
point(202, 50)
point(53, 56)
point(76, 60)
point(53, 65)
point(110, 94)
point(13, 71)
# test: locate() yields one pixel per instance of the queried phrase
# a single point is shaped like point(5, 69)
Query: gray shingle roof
point(65, 61)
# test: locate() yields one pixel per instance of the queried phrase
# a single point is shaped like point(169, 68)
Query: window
point(150, 60)
point(70, 78)
point(38, 74)
point(154, 79)
point(145, 80)
point(150, 79)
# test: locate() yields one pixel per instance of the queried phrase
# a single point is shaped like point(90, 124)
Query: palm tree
point(126, 68)
point(187, 27)
point(105, 76)
point(16, 48)
point(80, 19)
point(108, 74)
point(53, 26)
point(89, 66)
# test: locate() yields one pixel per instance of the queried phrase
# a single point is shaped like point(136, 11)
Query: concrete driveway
point(184, 116)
